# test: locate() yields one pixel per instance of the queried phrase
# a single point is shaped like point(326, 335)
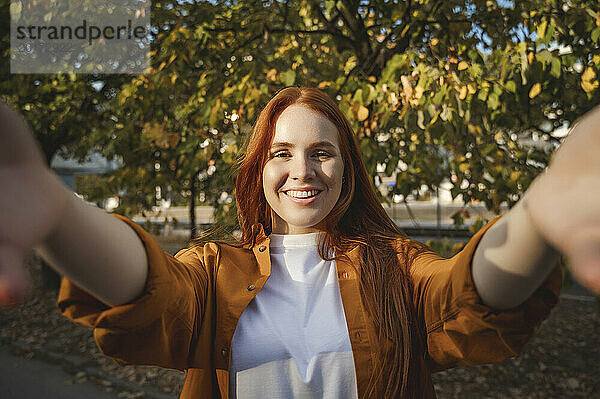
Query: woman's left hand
point(564, 202)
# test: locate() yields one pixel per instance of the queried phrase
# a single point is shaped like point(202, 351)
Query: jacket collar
point(260, 248)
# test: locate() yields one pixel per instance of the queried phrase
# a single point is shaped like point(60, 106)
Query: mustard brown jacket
point(186, 317)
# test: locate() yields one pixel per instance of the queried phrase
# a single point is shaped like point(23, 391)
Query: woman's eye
point(280, 154)
point(322, 154)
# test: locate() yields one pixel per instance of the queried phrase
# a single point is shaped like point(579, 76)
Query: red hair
point(357, 219)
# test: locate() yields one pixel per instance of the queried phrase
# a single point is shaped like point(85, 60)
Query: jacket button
point(251, 287)
point(343, 274)
point(224, 352)
point(262, 248)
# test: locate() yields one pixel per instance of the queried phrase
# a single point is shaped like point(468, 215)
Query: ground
point(561, 361)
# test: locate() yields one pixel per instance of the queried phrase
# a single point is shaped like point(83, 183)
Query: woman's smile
point(303, 196)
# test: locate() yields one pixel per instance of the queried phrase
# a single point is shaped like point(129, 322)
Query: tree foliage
point(469, 91)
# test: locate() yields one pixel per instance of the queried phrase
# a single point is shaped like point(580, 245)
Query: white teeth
point(301, 194)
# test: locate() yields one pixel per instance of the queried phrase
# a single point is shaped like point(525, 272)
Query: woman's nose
point(302, 169)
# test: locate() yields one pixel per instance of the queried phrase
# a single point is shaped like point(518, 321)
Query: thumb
point(14, 285)
point(585, 263)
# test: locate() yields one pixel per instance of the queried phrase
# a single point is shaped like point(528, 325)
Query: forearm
point(97, 252)
point(512, 260)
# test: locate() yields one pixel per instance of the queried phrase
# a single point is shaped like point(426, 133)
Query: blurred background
point(457, 106)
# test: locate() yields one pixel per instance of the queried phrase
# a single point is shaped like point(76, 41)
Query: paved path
point(32, 379)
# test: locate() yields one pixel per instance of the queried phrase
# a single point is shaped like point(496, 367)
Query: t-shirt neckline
point(294, 240)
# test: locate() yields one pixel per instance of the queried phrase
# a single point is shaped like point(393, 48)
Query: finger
point(14, 285)
point(585, 264)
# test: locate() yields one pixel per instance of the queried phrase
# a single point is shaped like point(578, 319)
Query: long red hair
point(357, 219)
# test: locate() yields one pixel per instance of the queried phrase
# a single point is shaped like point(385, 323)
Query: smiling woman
point(302, 144)
point(322, 297)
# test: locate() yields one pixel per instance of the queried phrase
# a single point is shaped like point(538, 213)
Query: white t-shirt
point(292, 340)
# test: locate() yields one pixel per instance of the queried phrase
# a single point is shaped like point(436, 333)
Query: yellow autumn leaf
point(435, 41)
point(362, 113)
point(471, 88)
point(535, 90)
point(323, 84)
point(474, 129)
point(588, 85)
point(463, 92)
point(463, 65)
point(588, 74)
point(463, 167)
point(514, 175)
point(272, 74)
point(407, 89)
point(419, 92)
point(588, 82)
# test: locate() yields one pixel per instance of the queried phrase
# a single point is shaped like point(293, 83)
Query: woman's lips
point(300, 200)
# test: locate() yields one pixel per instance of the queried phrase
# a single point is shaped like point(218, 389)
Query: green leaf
point(511, 86)
point(493, 101)
point(329, 4)
point(395, 63)
point(556, 67)
point(438, 98)
point(458, 218)
point(482, 95)
point(350, 64)
point(591, 13)
point(595, 35)
point(358, 96)
point(288, 77)
point(488, 148)
point(544, 57)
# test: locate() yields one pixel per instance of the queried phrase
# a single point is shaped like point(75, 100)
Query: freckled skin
point(304, 154)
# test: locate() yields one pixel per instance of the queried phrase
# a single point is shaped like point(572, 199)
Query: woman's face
point(302, 178)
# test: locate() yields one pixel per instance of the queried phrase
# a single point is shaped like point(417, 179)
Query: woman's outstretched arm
point(96, 251)
point(512, 260)
point(560, 213)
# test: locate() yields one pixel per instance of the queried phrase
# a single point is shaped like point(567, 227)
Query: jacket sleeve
point(461, 330)
point(158, 327)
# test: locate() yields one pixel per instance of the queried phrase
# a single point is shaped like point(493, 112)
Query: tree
point(434, 89)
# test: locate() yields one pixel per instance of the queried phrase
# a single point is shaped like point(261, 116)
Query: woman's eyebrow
point(285, 144)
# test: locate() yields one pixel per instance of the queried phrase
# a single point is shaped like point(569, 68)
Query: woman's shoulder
point(406, 245)
point(213, 251)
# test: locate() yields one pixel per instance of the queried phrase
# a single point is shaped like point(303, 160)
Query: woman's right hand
point(32, 200)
